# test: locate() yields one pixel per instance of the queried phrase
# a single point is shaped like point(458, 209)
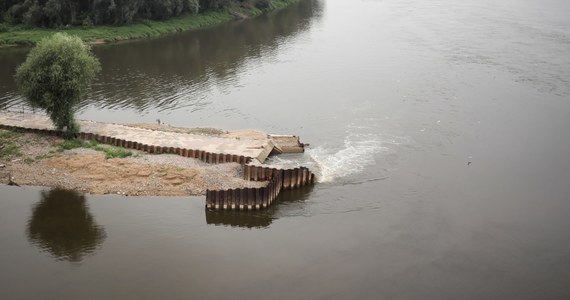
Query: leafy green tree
point(55, 77)
point(55, 13)
point(213, 4)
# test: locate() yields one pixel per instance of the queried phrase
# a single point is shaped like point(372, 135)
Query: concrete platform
point(257, 146)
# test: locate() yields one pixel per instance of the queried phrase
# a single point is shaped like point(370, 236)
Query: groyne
point(233, 199)
point(259, 198)
point(257, 146)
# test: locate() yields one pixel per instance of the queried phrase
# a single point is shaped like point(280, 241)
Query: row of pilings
point(259, 198)
point(247, 198)
point(233, 199)
point(205, 156)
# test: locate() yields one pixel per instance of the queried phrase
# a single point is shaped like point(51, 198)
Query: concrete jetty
point(243, 147)
point(257, 146)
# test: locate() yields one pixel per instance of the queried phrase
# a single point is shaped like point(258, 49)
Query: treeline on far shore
point(58, 13)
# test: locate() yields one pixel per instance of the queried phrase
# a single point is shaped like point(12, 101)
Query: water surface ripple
point(439, 130)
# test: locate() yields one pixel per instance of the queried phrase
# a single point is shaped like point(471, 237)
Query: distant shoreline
point(14, 36)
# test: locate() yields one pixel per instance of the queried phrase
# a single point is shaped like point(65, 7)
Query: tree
point(55, 77)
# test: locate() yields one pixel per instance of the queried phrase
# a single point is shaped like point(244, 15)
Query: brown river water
point(439, 131)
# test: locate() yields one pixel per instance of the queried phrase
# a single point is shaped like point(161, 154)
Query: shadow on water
point(262, 218)
point(178, 70)
point(62, 226)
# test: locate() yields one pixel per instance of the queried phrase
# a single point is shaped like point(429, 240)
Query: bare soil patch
point(39, 161)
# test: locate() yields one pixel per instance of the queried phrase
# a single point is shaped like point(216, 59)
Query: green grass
point(10, 150)
point(18, 35)
point(110, 151)
point(205, 131)
point(8, 135)
point(280, 4)
point(9, 144)
point(114, 152)
point(73, 144)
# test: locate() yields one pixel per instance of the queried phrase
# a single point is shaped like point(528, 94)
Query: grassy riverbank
point(18, 35)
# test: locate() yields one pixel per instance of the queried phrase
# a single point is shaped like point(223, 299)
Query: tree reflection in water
point(62, 225)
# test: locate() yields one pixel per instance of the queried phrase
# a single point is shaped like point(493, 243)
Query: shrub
point(263, 4)
point(87, 22)
point(55, 77)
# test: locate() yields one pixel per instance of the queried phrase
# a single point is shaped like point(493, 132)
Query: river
point(439, 130)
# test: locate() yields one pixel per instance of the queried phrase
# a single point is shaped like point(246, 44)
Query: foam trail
point(333, 162)
point(358, 152)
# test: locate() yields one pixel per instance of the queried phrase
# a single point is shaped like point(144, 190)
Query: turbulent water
point(438, 130)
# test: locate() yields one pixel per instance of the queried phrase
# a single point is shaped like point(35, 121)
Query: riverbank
point(29, 159)
point(19, 36)
point(132, 159)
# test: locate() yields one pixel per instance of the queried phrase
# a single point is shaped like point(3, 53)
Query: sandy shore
point(39, 161)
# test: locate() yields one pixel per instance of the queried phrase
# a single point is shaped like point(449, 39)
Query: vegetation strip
point(110, 151)
point(8, 145)
point(12, 34)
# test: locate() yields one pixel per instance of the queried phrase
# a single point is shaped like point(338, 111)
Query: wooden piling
point(249, 199)
point(208, 199)
point(236, 199)
point(227, 199)
point(219, 200)
point(263, 198)
point(287, 179)
point(240, 203)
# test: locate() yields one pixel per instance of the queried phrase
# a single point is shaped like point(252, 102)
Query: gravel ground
point(41, 163)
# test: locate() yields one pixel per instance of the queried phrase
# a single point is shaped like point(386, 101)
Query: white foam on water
point(331, 162)
point(357, 152)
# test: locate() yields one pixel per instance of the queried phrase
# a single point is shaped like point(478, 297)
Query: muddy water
point(439, 130)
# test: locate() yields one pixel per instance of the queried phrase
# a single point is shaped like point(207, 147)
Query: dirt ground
point(38, 160)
